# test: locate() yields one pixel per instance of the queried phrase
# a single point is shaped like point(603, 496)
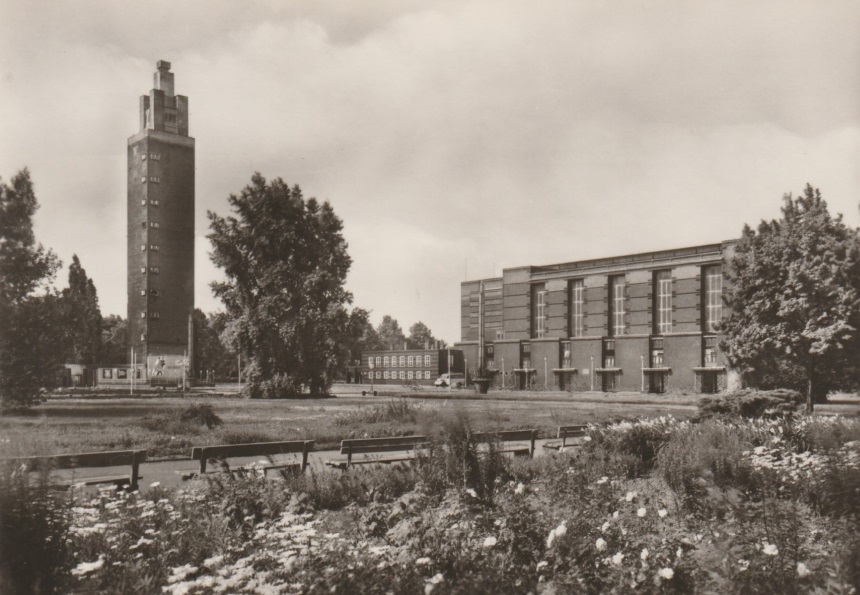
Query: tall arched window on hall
point(538, 310)
point(663, 296)
point(616, 306)
point(713, 276)
point(577, 314)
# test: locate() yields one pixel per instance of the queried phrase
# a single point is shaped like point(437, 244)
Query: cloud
point(498, 133)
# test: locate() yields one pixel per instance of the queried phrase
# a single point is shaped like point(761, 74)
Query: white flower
point(559, 531)
point(630, 496)
point(213, 561)
point(615, 515)
point(490, 541)
point(770, 549)
point(88, 567)
point(641, 512)
point(802, 570)
point(602, 480)
point(604, 527)
point(423, 561)
point(679, 552)
point(472, 493)
point(155, 484)
point(601, 544)
point(644, 554)
point(666, 573)
point(431, 584)
point(617, 559)
point(519, 489)
point(587, 438)
point(662, 512)
point(542, 564)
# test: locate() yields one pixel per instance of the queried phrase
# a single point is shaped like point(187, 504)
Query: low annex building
point(641, 322)
point(411, 366)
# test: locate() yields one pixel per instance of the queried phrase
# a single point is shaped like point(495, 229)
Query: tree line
point(794, 298)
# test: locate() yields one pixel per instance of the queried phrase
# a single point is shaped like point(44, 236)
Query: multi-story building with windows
point(161, 228)
point(413, 366)
point(646, 322)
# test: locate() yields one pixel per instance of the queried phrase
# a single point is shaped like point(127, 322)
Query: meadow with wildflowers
point(660, 505)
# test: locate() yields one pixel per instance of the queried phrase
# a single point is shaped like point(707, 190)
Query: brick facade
point(636, 322)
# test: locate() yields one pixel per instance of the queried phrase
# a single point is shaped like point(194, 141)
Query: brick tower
point(161, 228)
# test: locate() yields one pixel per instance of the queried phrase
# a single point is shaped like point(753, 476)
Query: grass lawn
point(82, 424)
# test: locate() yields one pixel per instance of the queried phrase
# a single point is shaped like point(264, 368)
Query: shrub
point(751, 403)
point(33, 523)
point(633, 444)
point(201, 414)
point(700, 455)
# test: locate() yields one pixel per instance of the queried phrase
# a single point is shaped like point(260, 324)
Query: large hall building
point(642, 322)
point(161, 228)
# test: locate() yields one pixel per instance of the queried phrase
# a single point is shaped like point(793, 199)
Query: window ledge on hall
point(565, 370)
point(607, 370)
point(525, 370)
point(656, 369)
point(709, 369)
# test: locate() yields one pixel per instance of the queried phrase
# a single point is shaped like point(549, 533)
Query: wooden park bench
point(390, 450)
point(253, 449)
point(503, 441)
point(85, 460)
point(565, 432)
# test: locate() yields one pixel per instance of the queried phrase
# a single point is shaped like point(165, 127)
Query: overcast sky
point(454, 139)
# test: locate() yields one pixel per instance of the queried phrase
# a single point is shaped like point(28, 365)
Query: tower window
point(153, 269)
point(155, 179)
point(154, 224)
point(154, 315)
point(142, 292)
point(143, 336)
point(143, 202)
point(154, 156)
point(154, 202)
point(142, 179)
point(143, 314)
point(154, 247)
point(143, 224)
point(142, 270)
point(142, 247)
point(154, 292)
point(143, 157)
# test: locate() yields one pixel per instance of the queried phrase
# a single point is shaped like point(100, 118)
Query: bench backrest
point(371, 445)
point(252, 449)
point(571, 431)
point(114, 458)
point(509, 436)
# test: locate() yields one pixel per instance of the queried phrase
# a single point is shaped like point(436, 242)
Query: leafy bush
point(633, 444)
point(33, 522)
point(202, 414)
point(750, 403)
point(704, 455)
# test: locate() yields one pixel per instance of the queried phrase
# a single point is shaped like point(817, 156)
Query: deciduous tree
point(82, 318)
point(27, 357)
point(285, 261)
point(390, 333)
point(795, 300)
point(420, 335)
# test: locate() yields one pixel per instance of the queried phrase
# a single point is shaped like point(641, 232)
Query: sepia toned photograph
point(443, 297)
